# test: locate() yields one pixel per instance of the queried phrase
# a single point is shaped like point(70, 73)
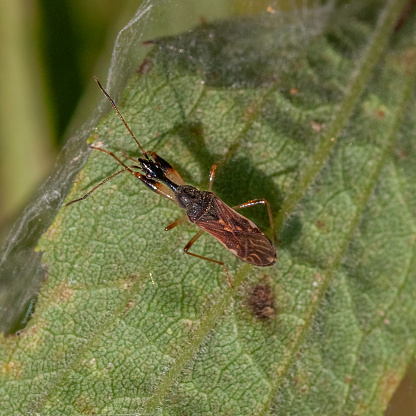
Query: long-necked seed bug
point(235, 232)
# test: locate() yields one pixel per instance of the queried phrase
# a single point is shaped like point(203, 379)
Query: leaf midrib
point(364, 70)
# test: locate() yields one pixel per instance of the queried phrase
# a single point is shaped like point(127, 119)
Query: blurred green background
point(49, 52)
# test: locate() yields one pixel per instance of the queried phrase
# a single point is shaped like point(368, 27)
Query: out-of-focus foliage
point(48, 52)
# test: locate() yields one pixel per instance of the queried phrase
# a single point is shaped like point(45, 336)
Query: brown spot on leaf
point(203, 20)
point(11, 370)
point(406, 11)
point(320, 224)
point(389, 384)
point(86, 405)
point(380, 113)
point(407, 59)
point(401, 154)
point(188, 323)
point(130, 304)
point(128, 282)
point(251, 110)
point(61, 293)
point(145, 67)
point(318, 127)
point(261, 302)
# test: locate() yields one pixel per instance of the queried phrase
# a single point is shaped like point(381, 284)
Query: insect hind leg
point(190, 244)
point(269, 211)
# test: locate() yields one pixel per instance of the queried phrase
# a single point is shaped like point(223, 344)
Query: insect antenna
point(121, 117)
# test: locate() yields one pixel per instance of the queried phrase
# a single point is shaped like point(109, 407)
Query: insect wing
point(259, 250)
point(239, 235)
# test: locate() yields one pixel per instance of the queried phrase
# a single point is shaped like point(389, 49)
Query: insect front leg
point(189, 245)
point(125, 155)
point(157, 187)
point(177, 222)
point(269, 210)
point(126, 168)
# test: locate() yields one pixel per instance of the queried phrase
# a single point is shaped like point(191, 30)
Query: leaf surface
point(319, 124)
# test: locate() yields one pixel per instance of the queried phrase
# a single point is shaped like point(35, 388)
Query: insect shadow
point(203, 208)
point(228, 184)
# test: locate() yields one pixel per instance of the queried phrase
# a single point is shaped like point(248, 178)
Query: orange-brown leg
point(153, 185)
point(211, 176)
point(126, 168)
point(157, 187)
point(269, 210)
point(125, 155)
point(114, 156)
point(177, 222)
point(189, 245)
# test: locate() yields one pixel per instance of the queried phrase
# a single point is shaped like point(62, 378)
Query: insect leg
point(269, 210)
point(114, 156)
point(157, 187)
point(189, 245)
point(177, 222)
point(129, 157)
point(93, 189)
point(211, 177)
point(150, 183)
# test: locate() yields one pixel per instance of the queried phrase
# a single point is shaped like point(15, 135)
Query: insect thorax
point(195, 202)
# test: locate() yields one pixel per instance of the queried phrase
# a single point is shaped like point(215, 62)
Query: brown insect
point(235, 232)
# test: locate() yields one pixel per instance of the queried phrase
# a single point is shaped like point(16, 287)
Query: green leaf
point(319, 124)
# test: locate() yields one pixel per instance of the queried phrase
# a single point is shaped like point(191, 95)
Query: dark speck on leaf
point(261, 302)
